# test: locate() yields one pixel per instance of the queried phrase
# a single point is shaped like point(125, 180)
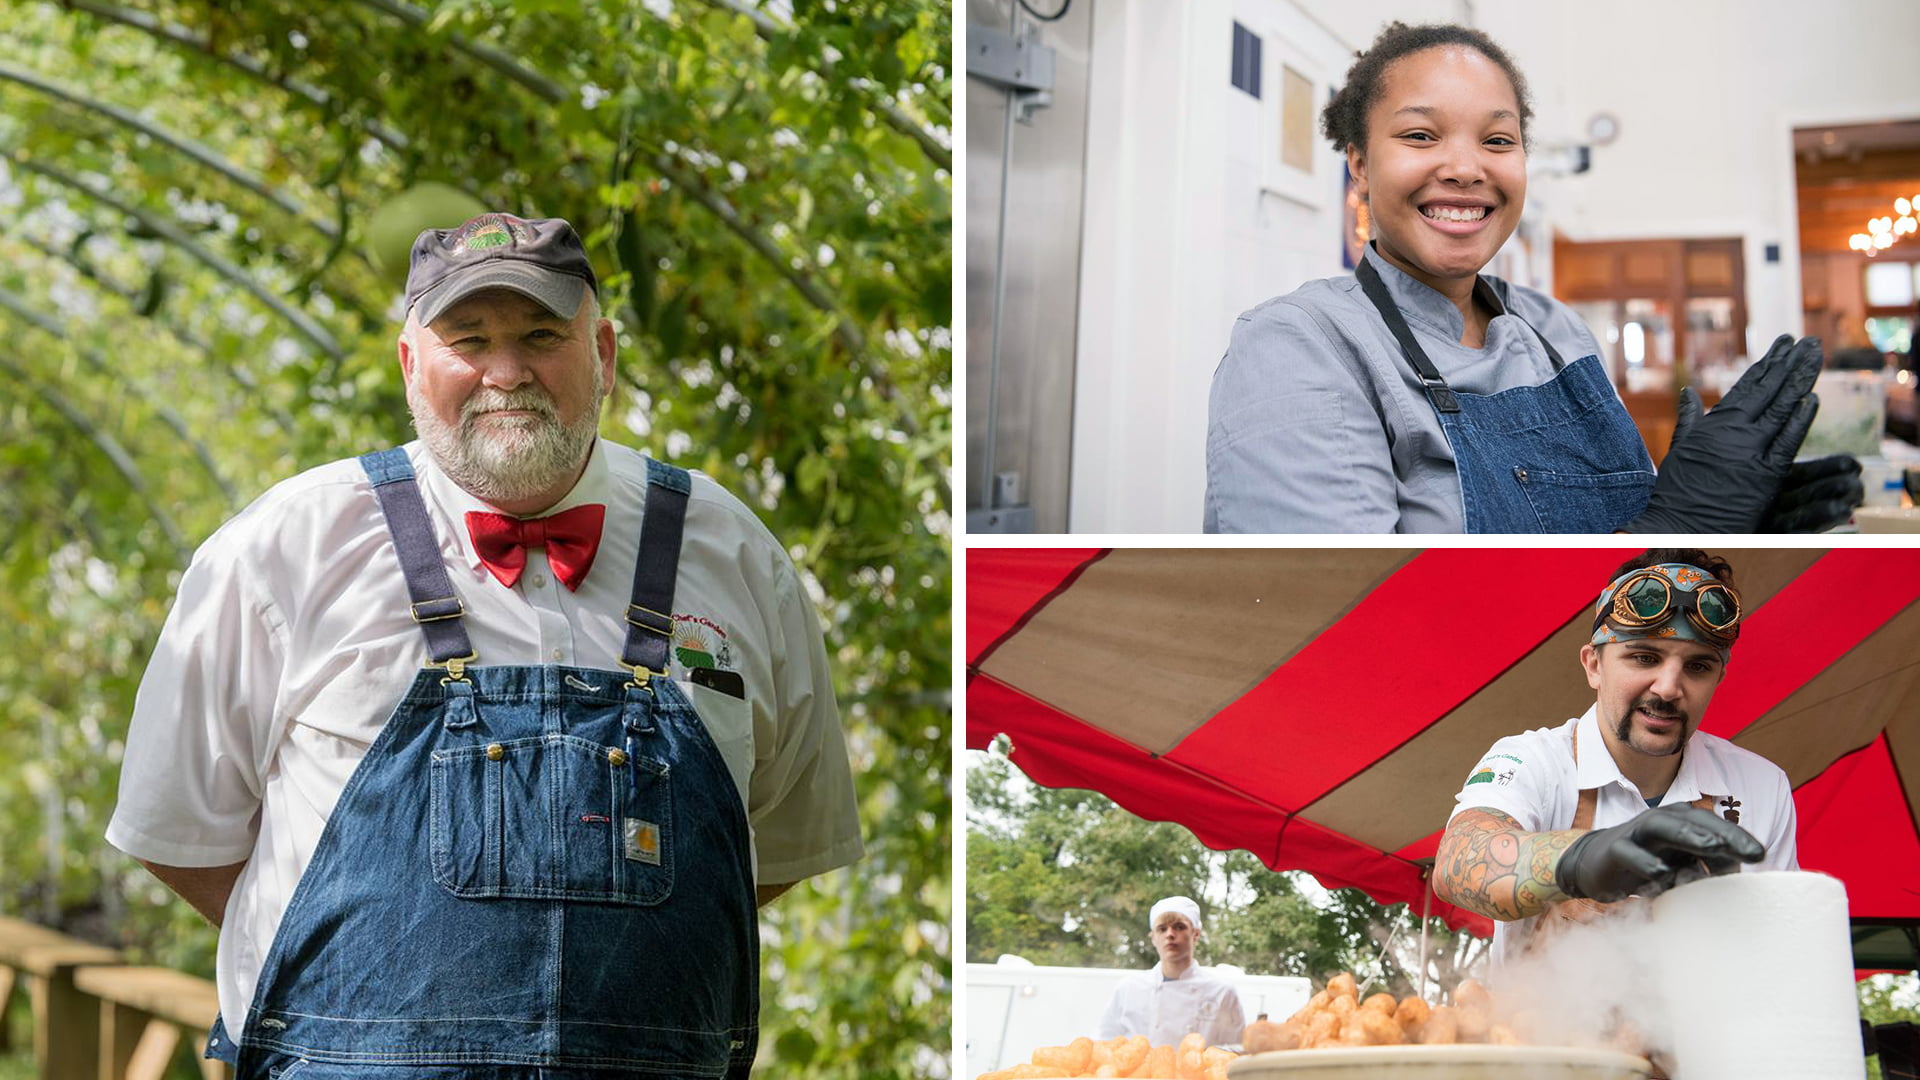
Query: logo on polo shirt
point(699, 642)
point(1495, 770)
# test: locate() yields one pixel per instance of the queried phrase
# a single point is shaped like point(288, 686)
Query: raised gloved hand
point(1725, 468)
point(1817, 494)
point(1654, 852)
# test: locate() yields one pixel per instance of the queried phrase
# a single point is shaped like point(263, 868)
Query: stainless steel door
point(1024, 188)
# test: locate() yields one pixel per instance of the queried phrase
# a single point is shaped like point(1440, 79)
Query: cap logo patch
point(490, 231)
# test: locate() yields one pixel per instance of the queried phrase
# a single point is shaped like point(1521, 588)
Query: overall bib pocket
point(554, 817)
point(1575, 502)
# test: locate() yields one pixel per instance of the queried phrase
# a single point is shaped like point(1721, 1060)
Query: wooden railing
point(95, 1018)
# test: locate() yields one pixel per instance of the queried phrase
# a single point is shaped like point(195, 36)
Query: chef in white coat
point(1175, 996)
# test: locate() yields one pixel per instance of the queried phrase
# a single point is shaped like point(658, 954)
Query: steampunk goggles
point(1647, 599)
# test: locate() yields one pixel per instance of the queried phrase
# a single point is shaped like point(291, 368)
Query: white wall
point(1707, 92)
point(1178, 237)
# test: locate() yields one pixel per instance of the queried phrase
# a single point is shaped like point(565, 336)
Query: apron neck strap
point(436, 607)
point(1438, 392)
point(655, 569)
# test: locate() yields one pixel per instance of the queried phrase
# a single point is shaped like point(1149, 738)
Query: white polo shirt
point(1165, 1010)
point(290, 642)
point(1532, 778)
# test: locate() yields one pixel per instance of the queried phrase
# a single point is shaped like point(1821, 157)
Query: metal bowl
point(1461, 1062)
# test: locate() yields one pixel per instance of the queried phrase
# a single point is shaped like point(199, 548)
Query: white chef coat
point(1532, 778)
point(290, 643)
point(1165, 1010)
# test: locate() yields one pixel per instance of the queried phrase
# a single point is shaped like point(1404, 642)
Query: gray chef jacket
point(1317, 423)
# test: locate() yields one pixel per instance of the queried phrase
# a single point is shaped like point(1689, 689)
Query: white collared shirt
point(1165, 1010)
point(290, 642)
point(1532, 777)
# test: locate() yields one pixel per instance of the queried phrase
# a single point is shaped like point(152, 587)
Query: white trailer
point(1014, 1007)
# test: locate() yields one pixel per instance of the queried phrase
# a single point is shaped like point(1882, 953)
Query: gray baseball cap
point(541, 258)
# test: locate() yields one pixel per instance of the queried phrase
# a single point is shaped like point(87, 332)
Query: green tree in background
point(204, 213)
point(1063, 876)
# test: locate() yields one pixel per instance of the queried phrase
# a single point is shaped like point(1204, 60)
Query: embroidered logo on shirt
point(1729, 807)
point(642, 840)
point(1484, 773)
point(699, 642)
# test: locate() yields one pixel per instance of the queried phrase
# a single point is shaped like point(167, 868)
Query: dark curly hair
point(1344, 120)
point(1712, 564)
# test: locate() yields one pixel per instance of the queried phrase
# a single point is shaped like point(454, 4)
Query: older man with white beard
point(482, 751)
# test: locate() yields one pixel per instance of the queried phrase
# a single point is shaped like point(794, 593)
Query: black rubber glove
point(1725, 468)
point(1653, 853)
point(1817, 494)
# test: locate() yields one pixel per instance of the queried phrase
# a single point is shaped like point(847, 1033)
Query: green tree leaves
point(768, 199)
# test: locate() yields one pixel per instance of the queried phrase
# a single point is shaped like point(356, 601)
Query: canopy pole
point(1426, 908)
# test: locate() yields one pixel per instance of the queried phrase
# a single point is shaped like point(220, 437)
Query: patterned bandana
point(1683, 578)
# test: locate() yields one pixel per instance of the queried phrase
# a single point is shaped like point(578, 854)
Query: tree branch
point(166, 229)
point(281, 418)
point(802, 281)
point(39, 321)
point(179, 35)
point(199, 152)
point(116, 454)
point(888, 110)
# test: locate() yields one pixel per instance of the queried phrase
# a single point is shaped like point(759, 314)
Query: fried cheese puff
point(1412, 1015)
point(1026, 1071)
point(1322, 1030)
point(1076, 1057)
point(1343, 1006)
point(1370, 1027)
point(1314, 1004)
point(1342, 985)
point(1159, 1063)
point(1381, 1002)
point(1264, 1035)
point(1442, 1027)
point(1128, 1056)
point(1502, 1035)
point(1194, 1041)
point(1470, 994)
point(1189, 1065)
point(1217, 1072)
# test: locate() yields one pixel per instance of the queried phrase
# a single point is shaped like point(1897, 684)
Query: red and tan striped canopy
point(1320, 708)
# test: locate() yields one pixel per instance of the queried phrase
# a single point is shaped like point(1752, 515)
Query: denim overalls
point(1561, 457)
point(533, 866)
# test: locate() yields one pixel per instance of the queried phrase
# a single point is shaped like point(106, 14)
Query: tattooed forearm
point(1488, 864)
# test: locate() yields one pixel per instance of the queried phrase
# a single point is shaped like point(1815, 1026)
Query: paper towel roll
point(1756, 973)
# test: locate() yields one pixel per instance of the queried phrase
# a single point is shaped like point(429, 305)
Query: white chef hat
point(1181, 904)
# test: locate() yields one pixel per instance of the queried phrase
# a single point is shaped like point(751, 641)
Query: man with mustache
point(1630, 799)
point(484, 750)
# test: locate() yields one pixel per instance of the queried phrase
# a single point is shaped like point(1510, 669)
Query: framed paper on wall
point(1295, 162)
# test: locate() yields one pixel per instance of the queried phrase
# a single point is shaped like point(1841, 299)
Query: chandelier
point(1883, 231)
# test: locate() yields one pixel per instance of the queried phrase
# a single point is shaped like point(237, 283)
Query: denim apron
point(1561, 457)
point(533, 866)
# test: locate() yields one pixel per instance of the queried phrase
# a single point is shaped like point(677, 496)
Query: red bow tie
point(571, 538)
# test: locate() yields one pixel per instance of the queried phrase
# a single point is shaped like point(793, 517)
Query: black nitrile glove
point(1654, 852)
point(1725, 468)
point(1817, 494)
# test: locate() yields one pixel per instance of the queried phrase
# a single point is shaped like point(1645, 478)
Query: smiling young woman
point(1419, 395)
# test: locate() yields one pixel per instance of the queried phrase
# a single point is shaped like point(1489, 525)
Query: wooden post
point(120, 1029)
point(155, 1053)
point(6, 998)
point(66, 1027)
